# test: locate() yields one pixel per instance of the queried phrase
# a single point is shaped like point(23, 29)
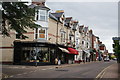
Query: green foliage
point(113, 56)
point(116, 49)
point(19, 16)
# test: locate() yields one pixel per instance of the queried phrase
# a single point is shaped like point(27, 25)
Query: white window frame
point(45, 33)
point(38, 34)
point(39, 15)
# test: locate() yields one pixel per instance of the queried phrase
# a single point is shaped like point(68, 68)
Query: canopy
point(72, 51)
point(63, 49)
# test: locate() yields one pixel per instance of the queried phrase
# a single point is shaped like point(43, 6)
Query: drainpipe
point(74, 38)
point(57, 33)
point(67, 37)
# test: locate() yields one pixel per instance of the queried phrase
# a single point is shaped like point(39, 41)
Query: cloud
point(82, 0)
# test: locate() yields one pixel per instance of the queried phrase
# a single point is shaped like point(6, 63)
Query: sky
point(101, 17)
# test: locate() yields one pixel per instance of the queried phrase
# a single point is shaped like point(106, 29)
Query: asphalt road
point(87, 70)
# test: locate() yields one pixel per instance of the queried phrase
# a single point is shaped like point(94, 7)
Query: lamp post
point(36, 52)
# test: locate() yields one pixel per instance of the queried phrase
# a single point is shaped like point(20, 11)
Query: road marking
point(19, 74)
point(31, 71)
point(11, 76)
point(13, 67)
point(100, 75)
point(50, 68)
point(25, 73)
point(43, 69)
point(23, 67)
point(6, 77)
point(34, 71)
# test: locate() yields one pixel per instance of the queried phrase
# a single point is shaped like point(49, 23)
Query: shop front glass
point(35, 54)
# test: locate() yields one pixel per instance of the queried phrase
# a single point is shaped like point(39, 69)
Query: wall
point(7, 46)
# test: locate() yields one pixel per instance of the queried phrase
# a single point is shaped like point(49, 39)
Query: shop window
point(32, 54)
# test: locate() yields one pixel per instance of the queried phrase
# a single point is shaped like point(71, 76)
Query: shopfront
point(68, 54)
point(35, 52)
point(30, 52)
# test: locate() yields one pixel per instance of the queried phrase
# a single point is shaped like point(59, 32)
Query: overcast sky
point(101, 17)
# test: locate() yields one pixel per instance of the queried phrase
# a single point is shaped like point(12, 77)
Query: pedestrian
point(59, 62)
point(56, 61)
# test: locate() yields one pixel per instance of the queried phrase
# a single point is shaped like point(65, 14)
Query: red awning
point(72, 51)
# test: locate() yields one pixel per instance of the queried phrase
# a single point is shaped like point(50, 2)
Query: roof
point(53, 17)
point(81, 28)
point(68, 19)
point(85, 29)
point(39, 7)
point(75, 25)
point(57, 15)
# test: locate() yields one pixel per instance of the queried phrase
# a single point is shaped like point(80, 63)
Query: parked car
point(106, 59)
point(114, 58)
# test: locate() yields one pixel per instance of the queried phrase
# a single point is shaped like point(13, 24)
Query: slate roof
point(81, 28)
point(53, 17)
point(75, 23)
point(39, 7)
point(68, 19)
point(85, 29)
point(57, 15)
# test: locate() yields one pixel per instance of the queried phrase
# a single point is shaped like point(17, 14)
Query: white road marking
point(24, 73)
point(19, 74)
point(43, 69)
point(100, 75)
point(24, 67)
point(32, 71)
point(6, 76)
point(13, 67)
point(50, 68)
point(11, 76)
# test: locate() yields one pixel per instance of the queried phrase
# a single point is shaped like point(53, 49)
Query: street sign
point(116, 38)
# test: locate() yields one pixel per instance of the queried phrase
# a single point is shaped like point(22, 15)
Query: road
point(87, 70)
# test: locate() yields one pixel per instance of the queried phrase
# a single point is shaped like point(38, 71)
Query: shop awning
point(63, 49)
point(72, 51)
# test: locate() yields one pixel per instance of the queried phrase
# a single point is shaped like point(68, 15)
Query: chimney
point(39, 2)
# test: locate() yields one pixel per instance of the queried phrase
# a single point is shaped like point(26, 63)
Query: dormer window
point(41, 15)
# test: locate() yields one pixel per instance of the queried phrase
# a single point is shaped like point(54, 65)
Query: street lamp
point(119, 42)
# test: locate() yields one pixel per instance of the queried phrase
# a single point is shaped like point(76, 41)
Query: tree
point(17, 16)
point(116, 49)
